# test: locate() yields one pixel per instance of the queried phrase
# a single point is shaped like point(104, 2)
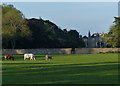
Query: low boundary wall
point(38, 51)
point(95, 50)
point(59, 50)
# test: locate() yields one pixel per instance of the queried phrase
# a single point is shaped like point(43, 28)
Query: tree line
point(19, 32)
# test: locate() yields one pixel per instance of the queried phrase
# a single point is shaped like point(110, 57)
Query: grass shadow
point(87, 73)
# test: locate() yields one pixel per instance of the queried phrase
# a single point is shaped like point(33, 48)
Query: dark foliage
point(18, 32)
point(46, 34)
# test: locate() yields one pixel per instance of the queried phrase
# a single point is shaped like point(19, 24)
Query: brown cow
point(9, 56)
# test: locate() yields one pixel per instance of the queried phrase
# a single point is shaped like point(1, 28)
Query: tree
point(14, 26)
point(74, 39)
point(46, 34)
point(18, 32)
point(112, 38)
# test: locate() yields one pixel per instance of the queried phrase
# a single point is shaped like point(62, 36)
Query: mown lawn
point(62, 69)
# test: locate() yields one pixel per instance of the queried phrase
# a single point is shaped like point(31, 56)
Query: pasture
point(62, 69)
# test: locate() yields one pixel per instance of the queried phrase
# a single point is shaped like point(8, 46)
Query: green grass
point(62, 69)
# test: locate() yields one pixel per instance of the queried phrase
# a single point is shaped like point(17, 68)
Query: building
point(94, 41)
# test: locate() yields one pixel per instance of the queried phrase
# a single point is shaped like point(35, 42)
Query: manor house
point(94, 41)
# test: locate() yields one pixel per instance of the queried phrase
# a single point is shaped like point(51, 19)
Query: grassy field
point(62, 69)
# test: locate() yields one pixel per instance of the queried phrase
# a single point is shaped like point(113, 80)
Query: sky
point(80, 16)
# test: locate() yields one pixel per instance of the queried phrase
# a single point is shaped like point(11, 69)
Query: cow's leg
point(13, 59)
point(5, 57)
point(49, 59)
point(46, 57)
point(33, 58)
point(24, 58)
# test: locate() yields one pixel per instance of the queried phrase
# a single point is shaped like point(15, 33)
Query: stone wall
point(94, 50)
point(38, 51)
point(58, 50)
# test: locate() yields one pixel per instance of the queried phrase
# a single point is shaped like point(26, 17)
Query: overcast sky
point(82, 16)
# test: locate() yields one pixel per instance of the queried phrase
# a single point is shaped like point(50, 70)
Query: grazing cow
point(48, 57)
point(29, 56)
point(9, 56)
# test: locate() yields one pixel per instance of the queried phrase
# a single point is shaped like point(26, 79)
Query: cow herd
point(26, 56)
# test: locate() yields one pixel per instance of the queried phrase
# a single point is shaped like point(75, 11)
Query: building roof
point(85, 37)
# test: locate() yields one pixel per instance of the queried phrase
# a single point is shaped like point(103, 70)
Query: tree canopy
point(113, 36)
point(48, 35)
point(13, 26)
point(18, 32)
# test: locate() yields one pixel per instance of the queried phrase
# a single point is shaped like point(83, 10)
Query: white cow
point(29, 56)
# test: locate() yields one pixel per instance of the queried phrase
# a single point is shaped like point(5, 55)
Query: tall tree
point(13, 26)
point(113, 36)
